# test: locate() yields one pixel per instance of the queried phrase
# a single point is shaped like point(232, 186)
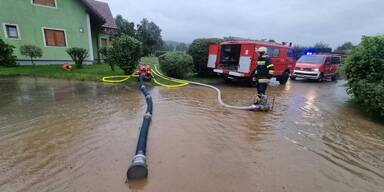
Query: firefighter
point(263, 73)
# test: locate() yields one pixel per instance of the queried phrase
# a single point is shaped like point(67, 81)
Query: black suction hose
point(139, 168)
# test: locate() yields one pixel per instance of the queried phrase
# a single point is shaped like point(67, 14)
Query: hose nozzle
point(138, 169)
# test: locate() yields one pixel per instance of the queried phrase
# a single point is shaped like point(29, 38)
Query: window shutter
point(60, 38)
point(49, 37)
point(50, 3)
point(55, 38)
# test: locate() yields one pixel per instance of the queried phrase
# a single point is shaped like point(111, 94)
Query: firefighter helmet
point(262, 49)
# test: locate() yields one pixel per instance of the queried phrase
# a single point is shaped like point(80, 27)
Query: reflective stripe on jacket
point(264, 69)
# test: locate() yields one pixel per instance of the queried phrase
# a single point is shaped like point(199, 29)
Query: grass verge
point(89, 72)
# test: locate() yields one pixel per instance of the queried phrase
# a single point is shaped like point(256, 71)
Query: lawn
point(89, 72)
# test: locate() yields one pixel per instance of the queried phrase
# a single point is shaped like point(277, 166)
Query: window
point(311, 59)
point(274, 52)
point(291, 53)
point(336, 60)
point(11, 31)
point(55, 38)
point(103, 42)
point(328, 61)
point(48, 3)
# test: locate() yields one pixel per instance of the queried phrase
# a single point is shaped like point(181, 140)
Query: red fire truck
point(238, 59)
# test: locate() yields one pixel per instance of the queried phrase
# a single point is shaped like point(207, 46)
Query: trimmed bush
point(31, 51)
point(363, 69)
point(199, 52)
point(6, 55)
point(78, 55)
point(176, 64)
point(125, 52)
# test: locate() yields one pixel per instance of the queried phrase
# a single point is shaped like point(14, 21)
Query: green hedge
point(363, 69)
point(176, 64)
point(199, 51)
point(6, 55)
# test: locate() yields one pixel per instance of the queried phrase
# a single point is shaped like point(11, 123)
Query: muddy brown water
point(61, 135)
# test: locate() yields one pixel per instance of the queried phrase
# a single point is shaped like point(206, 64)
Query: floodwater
point(61, 135)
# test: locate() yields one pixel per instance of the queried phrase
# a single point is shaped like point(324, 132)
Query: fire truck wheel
point(227, 80)
point(334, 77)
point(321, 78)
point(283, 78)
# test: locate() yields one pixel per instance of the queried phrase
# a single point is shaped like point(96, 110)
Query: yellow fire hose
point(123, 78)
point(119, 79)
point(180, 83)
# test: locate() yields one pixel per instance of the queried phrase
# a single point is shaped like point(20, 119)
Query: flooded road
point(61, 135)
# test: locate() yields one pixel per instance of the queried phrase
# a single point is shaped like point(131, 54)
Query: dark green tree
point(181, 47)
point(345, 48)
point(199, 51)
point(6, 55)
point(124, 27)
point(150, 35)
point(321, 45)
point(363, 69)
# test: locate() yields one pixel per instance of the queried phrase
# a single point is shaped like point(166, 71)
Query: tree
point(6, 55)
point(345, 48)
point(78, 55)
point(363, 69)
point(321, 45)
point(181, 47)
point(31, 51)
point(125, 52)
point(150, 35)
point(124, 27)
point(199, 51)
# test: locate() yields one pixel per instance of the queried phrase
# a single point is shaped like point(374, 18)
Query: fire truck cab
point(239, 59)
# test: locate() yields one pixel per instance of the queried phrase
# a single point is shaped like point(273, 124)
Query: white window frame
point(56, 29)
point(6, 32)
point(39, 5)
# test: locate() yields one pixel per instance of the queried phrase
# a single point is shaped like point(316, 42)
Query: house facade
point(55, 25)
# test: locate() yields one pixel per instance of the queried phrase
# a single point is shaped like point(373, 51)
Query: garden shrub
point(176, 64)
point(125, 52)
point(199, 52)
point(78, 55)
point(363, 68)
point(103, 52)
point(31, 51)
point(6, 55)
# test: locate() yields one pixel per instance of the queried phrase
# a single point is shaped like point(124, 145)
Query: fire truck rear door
point(212, 56)
point(246, 54)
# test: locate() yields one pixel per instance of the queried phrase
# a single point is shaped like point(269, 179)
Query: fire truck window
point(291, 53)
point(328, 61)
point(273, 52)
point(336, 60)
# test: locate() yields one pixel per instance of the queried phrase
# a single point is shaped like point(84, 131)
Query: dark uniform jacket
point(264, 69)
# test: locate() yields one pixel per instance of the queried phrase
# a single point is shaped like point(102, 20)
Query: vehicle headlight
point(316, 70)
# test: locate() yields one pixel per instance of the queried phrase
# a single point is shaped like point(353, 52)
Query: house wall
point(69, 15)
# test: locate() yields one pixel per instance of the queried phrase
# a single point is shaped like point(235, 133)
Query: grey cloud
point(303, 22)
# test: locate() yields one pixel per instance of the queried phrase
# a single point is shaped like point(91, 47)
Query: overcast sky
point(303, 22)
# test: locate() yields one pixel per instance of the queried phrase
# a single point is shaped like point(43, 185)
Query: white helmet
point(262, 49)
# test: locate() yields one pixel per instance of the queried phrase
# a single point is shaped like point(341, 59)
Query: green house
point(55, 25)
